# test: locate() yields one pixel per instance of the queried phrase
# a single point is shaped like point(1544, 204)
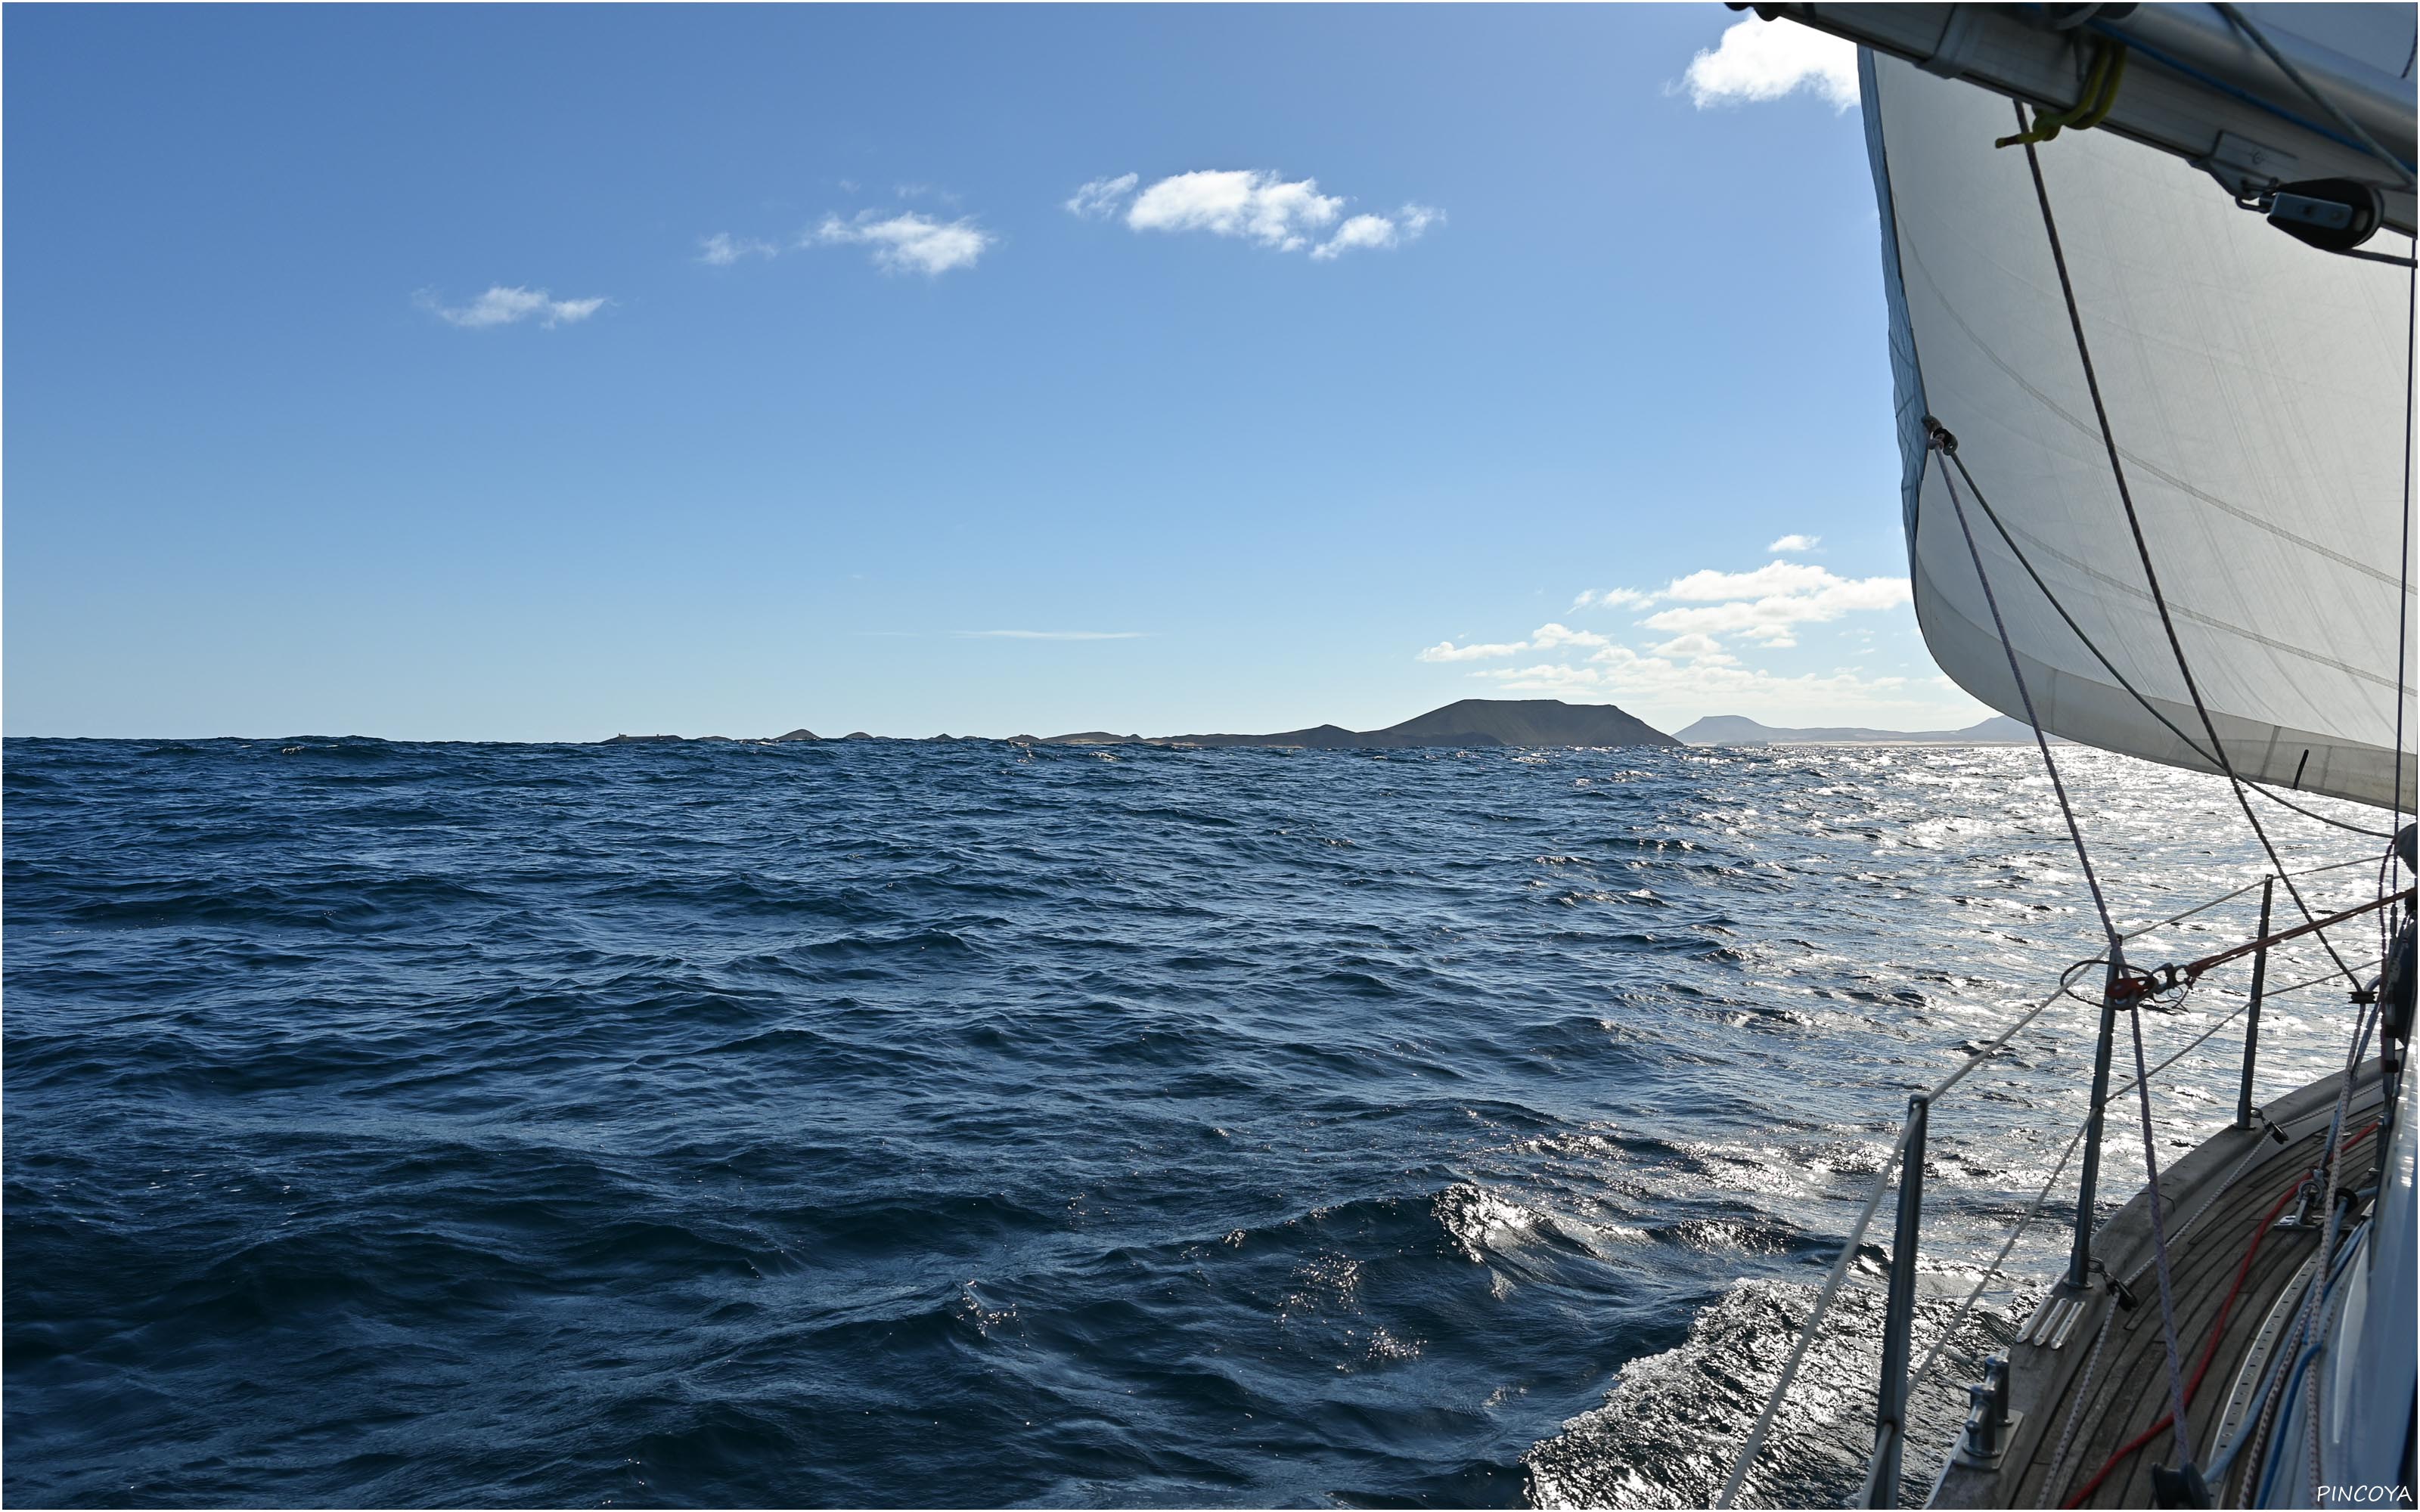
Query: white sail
point(2256, 390)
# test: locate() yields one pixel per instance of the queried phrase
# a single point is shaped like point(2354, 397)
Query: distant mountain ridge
point(1528, 723)
point(1521, 723)
point(1736, 730)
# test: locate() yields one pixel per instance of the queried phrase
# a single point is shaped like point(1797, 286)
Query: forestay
point(2257, 392)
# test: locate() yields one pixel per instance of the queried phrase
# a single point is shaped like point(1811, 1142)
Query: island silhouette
point(1521, 723)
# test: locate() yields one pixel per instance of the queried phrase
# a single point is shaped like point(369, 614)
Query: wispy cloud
point(1695, 647)
point(1795, 543)
point(1448, 651)
point(1610, 598)
point(1548, 636)
point(1759, 60)
point(1544, 638)
point(1255, 205)
point(1377, 233)
point(1054, 635)
point(1100, 198)
point(906, 243)
point(504, 305)
point(722, 249)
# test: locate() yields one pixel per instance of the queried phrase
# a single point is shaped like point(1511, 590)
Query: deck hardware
point(2032, 1319)
point(2247, 169)
point(2058, 1320)
point(2252, 1012)
point(1898, 1321)
point(2180, 1487)
point(2045, 1321)
point(2333, 214)
point(2067, 1325)
point(1990, 1425)
point(2124, 1294)
point(2304, 1214)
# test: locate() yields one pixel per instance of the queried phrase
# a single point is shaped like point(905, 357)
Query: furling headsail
point(2256, 390)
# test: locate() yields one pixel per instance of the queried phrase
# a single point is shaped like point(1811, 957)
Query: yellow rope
point(2101, 82)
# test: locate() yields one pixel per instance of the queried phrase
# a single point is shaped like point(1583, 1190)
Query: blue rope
point(2284, 1418)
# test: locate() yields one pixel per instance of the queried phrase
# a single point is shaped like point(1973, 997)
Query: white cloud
point(1251, 203)
point(722, 249)
point(1101, 198)
point(1255, 205)
point(1371, 231)
point(906, 243)
point(1054, 635)
point(1773, 578)
point(1759, 60)
point(1377, 232)
point(1611, 598)
point(1688, 672)
point(1765, 604)
point(1448, 651)
point(1697, 648)
point(1761, 603)
point(1795, 543)
point(1544, 638)
point(504, 306)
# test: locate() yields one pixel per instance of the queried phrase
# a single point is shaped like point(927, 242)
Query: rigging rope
point(2141, 930)
point(2235, 18)
point(2142, 547)
point(2010, 540)
point(2169, 60)
point(2092, 104)
point(2075, 1412)
point(1940, 439)
point(2034, 1209)
point(1754, 1444)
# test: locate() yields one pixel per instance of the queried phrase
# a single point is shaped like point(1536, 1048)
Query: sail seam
point(2110, 667)
point(2210, 622)
point(2180, 485)
point(2143, 548)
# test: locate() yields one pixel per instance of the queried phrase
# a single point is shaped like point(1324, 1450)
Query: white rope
point(2076, 1413)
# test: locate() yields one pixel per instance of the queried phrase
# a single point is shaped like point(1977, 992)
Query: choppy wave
point(887, 1124)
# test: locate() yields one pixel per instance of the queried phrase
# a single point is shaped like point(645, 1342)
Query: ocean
point(885, 1123)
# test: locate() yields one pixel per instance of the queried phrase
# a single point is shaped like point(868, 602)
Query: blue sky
point(377, 371)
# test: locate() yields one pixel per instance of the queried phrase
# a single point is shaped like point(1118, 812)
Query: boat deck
point(2220, 1193)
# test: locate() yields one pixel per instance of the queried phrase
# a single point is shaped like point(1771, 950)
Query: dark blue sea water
point(885, 1123)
